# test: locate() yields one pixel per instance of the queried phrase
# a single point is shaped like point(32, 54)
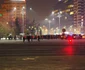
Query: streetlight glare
point(65, 17)
point(15, 8)
point(7, 23)
point(49, 21)
point(46, 19)
point(53, 19)
point(23, 7)
point(60, 12)
point(53, 12)
point(30, 8)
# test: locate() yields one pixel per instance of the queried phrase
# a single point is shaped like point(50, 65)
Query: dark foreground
point(42, 63)
point(44, 55)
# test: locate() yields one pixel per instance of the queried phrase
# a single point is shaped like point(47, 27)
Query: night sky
point(1, 1)
point(43, 8)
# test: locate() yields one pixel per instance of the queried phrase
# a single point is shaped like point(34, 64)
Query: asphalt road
point(43, 55)
point(42, 48)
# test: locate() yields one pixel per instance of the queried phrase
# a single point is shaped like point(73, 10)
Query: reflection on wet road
point(44, 55)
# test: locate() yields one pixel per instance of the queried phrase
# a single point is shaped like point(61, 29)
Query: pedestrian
point(28, 38)
point(38, 38)
point(24, 37)
point(15, 37)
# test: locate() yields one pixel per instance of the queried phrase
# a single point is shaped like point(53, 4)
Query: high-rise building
point(12, 9)
point(79, 15)
point(65, 7)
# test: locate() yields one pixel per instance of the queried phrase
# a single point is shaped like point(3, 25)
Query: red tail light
point(70, 40)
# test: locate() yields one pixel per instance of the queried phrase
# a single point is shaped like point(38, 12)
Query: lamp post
point(15, 11)
point(49, 21)
point(59, 16)
point(49, 27)
point(23, 13)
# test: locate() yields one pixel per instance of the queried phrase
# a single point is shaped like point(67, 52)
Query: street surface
point(43, 55)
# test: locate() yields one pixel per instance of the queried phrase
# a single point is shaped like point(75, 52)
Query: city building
point(66, 10)
point(13, 9)
point(76, 9)
point(66, 6)
point(79, 15)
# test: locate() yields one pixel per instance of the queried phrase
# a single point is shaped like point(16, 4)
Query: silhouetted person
point(38, 38)
point(28, 38)
point(15, 37)
point(24, 37)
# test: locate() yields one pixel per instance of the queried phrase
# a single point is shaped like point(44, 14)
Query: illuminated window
point(71, 13)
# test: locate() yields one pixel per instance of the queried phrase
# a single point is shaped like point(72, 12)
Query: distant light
point(71, 13)
point(53, 12)
point(17, 0)
point(68, 10)
point(65, 1)
point(46, 19)
point(14, 8)
point(53, 19)
point(49, 21)
point(61, 12)
point(30, 8)
point(66, 32)
point(70, 6)
point(7, 23)
point(65, 17)
point(23, 7)
point(59, 0)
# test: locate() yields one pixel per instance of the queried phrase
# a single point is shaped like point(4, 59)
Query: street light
point(14, 8)
point(53, 13)
point(59, 16)
point(23, 13)
point(14, 11)
point(53, 19)
point(49, 27)
point(46, 19)
point(49, 21)
point(30, 8)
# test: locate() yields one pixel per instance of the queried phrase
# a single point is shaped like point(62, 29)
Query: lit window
point(71, 13)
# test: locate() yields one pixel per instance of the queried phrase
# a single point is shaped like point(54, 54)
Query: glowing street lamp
point(53, 19)
point(23, 13)
point(53, 12)
point(23, 8)
point(49, 21)
point(49, 27)
point(59, 16)
point(30, 8)
point(14, 8)
point(46, 19)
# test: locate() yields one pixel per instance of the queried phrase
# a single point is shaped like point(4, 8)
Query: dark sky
point(43, 8)
point(1, 1)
